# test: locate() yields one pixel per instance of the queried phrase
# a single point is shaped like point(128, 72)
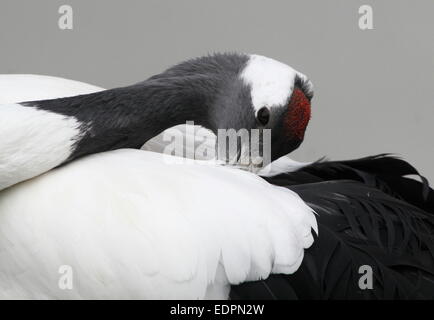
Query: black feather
point(369, 213)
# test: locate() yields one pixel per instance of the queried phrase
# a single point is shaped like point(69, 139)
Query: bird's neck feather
point(128, 117)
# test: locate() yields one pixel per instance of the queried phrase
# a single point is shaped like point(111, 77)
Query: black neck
point(128, 117)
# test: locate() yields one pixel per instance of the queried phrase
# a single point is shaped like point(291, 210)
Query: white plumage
point(29, 87)
point(272, 82)
point(132, 224)
point(21, 139)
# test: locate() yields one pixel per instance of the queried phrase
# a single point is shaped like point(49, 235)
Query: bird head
point(280, 98)
point(243, 93)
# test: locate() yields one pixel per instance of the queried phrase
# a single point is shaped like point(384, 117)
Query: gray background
point(373, 89)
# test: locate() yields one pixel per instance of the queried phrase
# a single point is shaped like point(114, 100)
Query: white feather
point(133, 226)
point(22, 142)
point(29, 87)
point(271, 81)
point(282, 165)
point(21, 137)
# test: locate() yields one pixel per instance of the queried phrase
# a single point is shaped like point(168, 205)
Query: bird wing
point(135, 224)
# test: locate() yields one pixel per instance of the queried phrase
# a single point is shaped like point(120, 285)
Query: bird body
point(131, 225)
point(138, 224)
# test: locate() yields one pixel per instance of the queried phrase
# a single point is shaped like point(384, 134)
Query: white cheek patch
point(271, 81)
point(33, 141)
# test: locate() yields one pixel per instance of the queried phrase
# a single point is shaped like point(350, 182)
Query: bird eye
point(263, 115)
